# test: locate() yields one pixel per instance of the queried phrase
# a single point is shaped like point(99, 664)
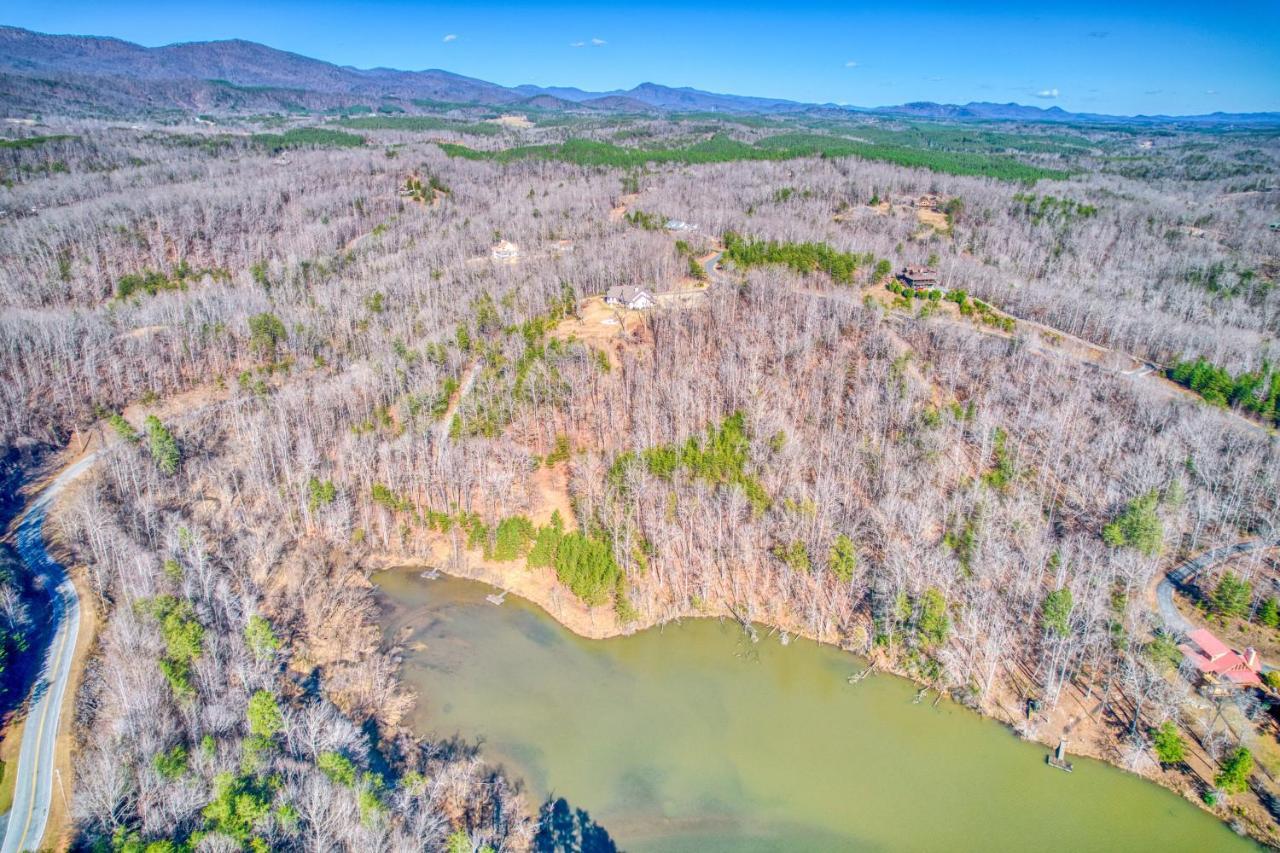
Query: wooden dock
point(1059, 758)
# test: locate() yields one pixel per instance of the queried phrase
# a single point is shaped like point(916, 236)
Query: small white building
point(630, 297)
point(680, 225)
point(505, 250)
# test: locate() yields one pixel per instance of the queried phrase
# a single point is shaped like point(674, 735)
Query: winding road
point(1184, 572)
point(33, 793)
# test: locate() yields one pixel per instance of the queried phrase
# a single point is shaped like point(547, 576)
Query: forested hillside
point(303, 351)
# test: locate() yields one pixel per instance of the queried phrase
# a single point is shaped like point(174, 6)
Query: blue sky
point(1123, 57)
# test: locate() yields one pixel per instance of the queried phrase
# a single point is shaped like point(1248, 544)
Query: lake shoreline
point(542, 589)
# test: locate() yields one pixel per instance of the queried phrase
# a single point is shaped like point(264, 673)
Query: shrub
point(559, 453)
point(123, 428)
point(543, 553)
point(172, 764)
point(511, 539)
point(265, 719)
point(1257, 391)
point(1003, 472)
point(260, 639)
point(239, 803)
point(794, 554)
point(720, 460)
point(266, 333)
point(933, 624)
point(387, 498)
point(162, 446)
point(320, 493)
point(1232, 596)
point(586, 565)
point(183, 640)
point(1269, 613)
point(1138, 526)
point(1055, 611)
point(843, 559)
point(1163, 649)
point(338, 768)
point(1169, 745)
point(1234, 776)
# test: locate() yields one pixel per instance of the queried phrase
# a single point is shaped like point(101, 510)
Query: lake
point(693, 738)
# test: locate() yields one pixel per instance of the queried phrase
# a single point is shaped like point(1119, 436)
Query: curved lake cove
point(691, 737)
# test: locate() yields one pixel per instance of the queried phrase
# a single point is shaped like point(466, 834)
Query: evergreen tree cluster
point(1256, 392)
point(801, 257)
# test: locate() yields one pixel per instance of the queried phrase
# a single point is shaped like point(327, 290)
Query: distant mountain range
point(94, 75)
point(986, 111)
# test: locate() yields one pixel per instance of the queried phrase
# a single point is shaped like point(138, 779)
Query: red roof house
point(1220, 664)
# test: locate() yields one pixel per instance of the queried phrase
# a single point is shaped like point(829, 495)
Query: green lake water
point(693, 738)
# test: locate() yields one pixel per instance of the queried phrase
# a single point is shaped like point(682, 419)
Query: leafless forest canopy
point(342, 366)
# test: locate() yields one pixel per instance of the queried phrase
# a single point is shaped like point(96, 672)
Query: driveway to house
point(1183, 573)
point(34, 788)
point(712, 265)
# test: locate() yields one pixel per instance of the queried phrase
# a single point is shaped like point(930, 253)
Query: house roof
point(627, 293)
point(921, 273)
point(1242, 676)
point(1213, 657)
point(1211, 645)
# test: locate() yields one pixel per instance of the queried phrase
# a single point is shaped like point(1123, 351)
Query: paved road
point(35, 781)
point(1184, 572)
point(712, 265)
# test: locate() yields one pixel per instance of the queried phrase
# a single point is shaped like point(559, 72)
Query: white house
point(505, 250)
point(628, 296)
point(680, 225)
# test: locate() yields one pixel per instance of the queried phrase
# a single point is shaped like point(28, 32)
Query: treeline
point(307, 137)
point(16, 587)
point(1256, 392)
point(33, 141)
point(417, 124)
point(947, 162)
point(801, 257)
point(1040, 208)
point(719, 460)
point(969, 307)
point(151, 282)
point(722, 149)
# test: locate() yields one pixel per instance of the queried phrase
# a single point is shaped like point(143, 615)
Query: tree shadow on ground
point(564, 829)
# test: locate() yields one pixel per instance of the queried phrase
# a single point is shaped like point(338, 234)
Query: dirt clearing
point(512, 121)
point(935, 220)
point(603, 327)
